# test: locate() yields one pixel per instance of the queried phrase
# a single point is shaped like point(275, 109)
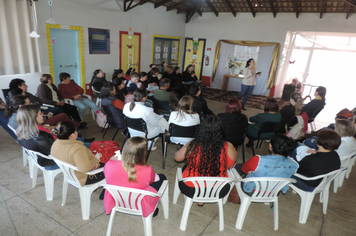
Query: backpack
point(104, 150)
point(101, 119)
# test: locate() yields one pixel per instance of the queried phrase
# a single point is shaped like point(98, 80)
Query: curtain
point(19, 53)
point(273, 64)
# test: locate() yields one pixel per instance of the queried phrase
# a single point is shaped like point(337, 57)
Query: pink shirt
point(116, 175)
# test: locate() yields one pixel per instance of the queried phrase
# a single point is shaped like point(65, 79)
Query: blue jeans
point(3, 123)
point(87, 144)
point(246, 90)
point(83, 104)
point(302, 185)
point(54, 167)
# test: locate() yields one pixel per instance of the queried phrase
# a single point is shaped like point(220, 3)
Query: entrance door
point(130, 51)
point(194, 54)
point(65, 54)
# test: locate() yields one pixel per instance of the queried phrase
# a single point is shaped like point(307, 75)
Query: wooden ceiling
point(190, 7)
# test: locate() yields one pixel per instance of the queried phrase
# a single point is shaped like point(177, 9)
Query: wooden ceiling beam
point(158, 4)
point(348, 12)
point(321, 8)
point(177, 5)
point(350, 3)
point(129, 7)
point(230, 7)
point(272, 8)
point(251, 7)
point(191, 13)
point(295, 7)
point(211, 6)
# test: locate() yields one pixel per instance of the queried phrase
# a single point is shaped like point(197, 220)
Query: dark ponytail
point(65, 129)
point(139, 94)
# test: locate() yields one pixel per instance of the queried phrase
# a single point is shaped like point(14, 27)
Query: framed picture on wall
point(99, 41)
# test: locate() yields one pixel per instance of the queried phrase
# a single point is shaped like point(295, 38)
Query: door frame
point(81, 49)
point(203, 56)
point(139, 49)
point(165, 37)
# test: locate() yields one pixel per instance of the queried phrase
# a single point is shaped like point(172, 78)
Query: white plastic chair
point(267, 189)
point(128, 201)
point(24, 153)
point(48, 175)
point(70, 101)
point(207, 190)
point(98, 100)
point(339, 180)
point(351, 164)
point(84, 191)
point(322, 188)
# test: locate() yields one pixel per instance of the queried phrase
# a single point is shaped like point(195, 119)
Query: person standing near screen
point(249, 81)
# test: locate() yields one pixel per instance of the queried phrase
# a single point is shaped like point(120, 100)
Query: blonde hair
point(26, 120)
point(184, 107)
point(298, 106)
point(344, 128)
point(134, 153)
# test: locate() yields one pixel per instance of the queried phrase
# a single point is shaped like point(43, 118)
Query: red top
point(223, 169)
point(41, 128)
point(70, 90)
point(118, 104)
point(127, 78)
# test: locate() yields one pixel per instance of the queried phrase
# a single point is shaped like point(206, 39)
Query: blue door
point(65, 53)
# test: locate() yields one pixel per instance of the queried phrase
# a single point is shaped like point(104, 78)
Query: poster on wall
point(158, 49)
point(165, 49)
point(157, 56)
point(174, 49)
point(165, 55)
point(173, 56)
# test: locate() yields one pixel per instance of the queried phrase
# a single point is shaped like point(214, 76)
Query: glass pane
point(174, 52)
point(302, 42)
point(157, 51)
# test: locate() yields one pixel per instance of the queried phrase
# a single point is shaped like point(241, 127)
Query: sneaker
point(153, 148)
point(243, 108)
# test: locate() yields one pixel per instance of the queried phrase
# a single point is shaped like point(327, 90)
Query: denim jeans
point(302, 185)
point(246, 90)
point(54, 167)
point(83, 104)
point(3, 123)
point(87, 144)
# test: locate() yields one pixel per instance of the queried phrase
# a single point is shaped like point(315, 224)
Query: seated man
point(162, 94)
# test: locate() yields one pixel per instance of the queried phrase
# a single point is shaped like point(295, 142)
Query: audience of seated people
point(127, 75)
point(162, 94)
point(133, 83)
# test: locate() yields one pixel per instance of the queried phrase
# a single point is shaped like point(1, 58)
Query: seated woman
point(189, 77)
point(68, 149)
point(30, 137)
point(323, 161)
point(199, 105)
point(156, 124)
point(288, 112)
point(235, 122)
point(297, 125)
point(270, 114)
point(120, 88)
point(98, 80)
point(278, 164)
point(143, 79)
point(117, 74)
point(132, 171)
point(49, 94)
point(69, 89)
point(20, 100)
point(208, 155)
point(153, 76)
point(184, 116)
point(177, 79)
point(317, 103)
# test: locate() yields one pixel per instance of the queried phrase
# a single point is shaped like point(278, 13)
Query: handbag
point(104, 150)
point(101, 119)
point(234, 196)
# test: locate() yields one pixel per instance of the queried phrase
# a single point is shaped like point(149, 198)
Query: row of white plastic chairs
point(207, 190)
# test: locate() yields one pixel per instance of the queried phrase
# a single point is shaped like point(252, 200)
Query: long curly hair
point(209, 146)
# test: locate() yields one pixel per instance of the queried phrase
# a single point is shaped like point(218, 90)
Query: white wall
point(262, 28)
point(159, 21)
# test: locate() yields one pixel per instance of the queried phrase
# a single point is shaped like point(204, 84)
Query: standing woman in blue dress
point(249, 81)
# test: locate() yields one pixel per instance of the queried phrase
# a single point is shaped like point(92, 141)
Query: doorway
point(130, 51)
point(66, 52)
point(194, 54)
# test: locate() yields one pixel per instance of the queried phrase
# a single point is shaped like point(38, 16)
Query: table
point(225, 81)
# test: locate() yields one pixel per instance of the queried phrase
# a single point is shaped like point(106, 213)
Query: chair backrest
point(268, 127)
point(162, 106)
point(315, 113)
point(34, 155)
point(346, 161)
point(68, 172)
point(182, 131)
point(6, 96)
point(115, 118)
point(266, 188)
point(208, 188)
point(128, 200)
point(137, 124)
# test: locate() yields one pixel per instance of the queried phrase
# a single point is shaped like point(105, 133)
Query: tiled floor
point(25, 211)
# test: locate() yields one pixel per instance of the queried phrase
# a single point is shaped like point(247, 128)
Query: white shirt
point(347, 147)
point(156, 124)
point(186, 120)
point(249, 76)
